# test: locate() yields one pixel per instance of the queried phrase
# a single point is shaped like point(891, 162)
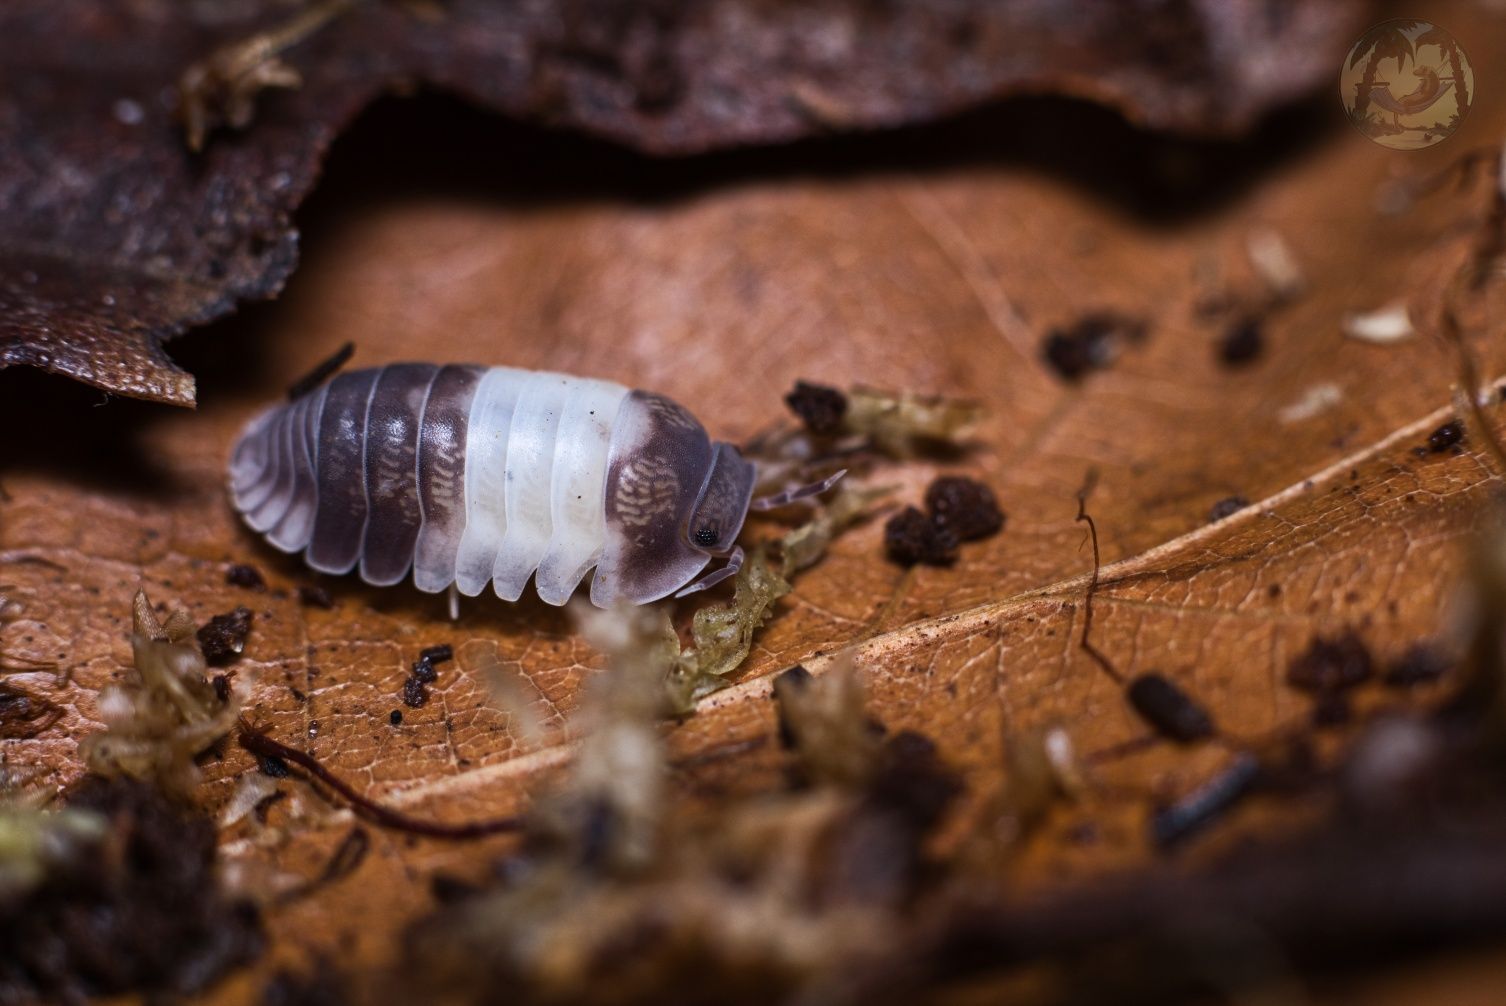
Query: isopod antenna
point(798, 493)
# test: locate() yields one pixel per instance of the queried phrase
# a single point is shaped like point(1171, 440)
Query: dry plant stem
point(1467, 390)
point(1087, 615)
point(263, 746)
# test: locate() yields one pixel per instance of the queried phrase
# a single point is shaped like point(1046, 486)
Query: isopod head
point(674, 500)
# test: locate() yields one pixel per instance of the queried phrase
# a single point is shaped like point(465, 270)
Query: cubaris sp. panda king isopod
point(467, 474)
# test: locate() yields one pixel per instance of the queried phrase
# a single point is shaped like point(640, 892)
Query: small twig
point(261, 745)
point(322, 372)
point(1122, 749)
point(1089, 482)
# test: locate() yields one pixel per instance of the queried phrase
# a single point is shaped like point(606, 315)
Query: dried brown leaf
point(938, 278)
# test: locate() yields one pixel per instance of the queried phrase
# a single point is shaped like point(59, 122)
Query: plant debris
point(1332, 709)
point(315, 597)
point(242, 575)
point(1389, 324)
point(36, 841)
point(1275, 262)
point(323, 986)
point(157, 724)
point(824, 720)
point(1171, 711)
point(221, 89)
point(1040, 769)
point(911, 537)
point(223, 637)
point(819, 407)
point(1092, 342)
point(1446, 436)
point(620, 887)
point(440, 654)
point(1421, 663)
point(965, 507)
point(415, 692)
point(1226, 507)
point(1243, 341)
point(1331, 664)
point(120, 896)
point(1313, 402)
point(1200, 808)
point(904, 424)
point(721, 634)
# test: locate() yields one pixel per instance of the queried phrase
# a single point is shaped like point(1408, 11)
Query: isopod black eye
point(706, 537)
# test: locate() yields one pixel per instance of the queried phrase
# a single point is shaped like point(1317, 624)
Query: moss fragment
point(901, 423)
point(157, 724)
point(722, 634)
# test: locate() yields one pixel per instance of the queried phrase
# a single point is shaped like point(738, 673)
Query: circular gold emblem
point(1406, 84)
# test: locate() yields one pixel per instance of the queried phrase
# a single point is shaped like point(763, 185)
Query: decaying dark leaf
point(115, 237)
point(223, 637)
point(221, 89)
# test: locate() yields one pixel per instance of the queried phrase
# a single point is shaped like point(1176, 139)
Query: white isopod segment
point(467, 475)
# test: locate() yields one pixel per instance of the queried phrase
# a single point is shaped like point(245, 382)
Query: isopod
point(468, 474)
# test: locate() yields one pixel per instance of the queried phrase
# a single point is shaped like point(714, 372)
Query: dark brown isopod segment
point(341, 522)
point(393, 517)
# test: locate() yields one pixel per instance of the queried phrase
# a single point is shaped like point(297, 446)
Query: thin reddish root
point(1087, 617)
point(260, 744)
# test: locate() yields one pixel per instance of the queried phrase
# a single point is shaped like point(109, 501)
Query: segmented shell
point(467, 474)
